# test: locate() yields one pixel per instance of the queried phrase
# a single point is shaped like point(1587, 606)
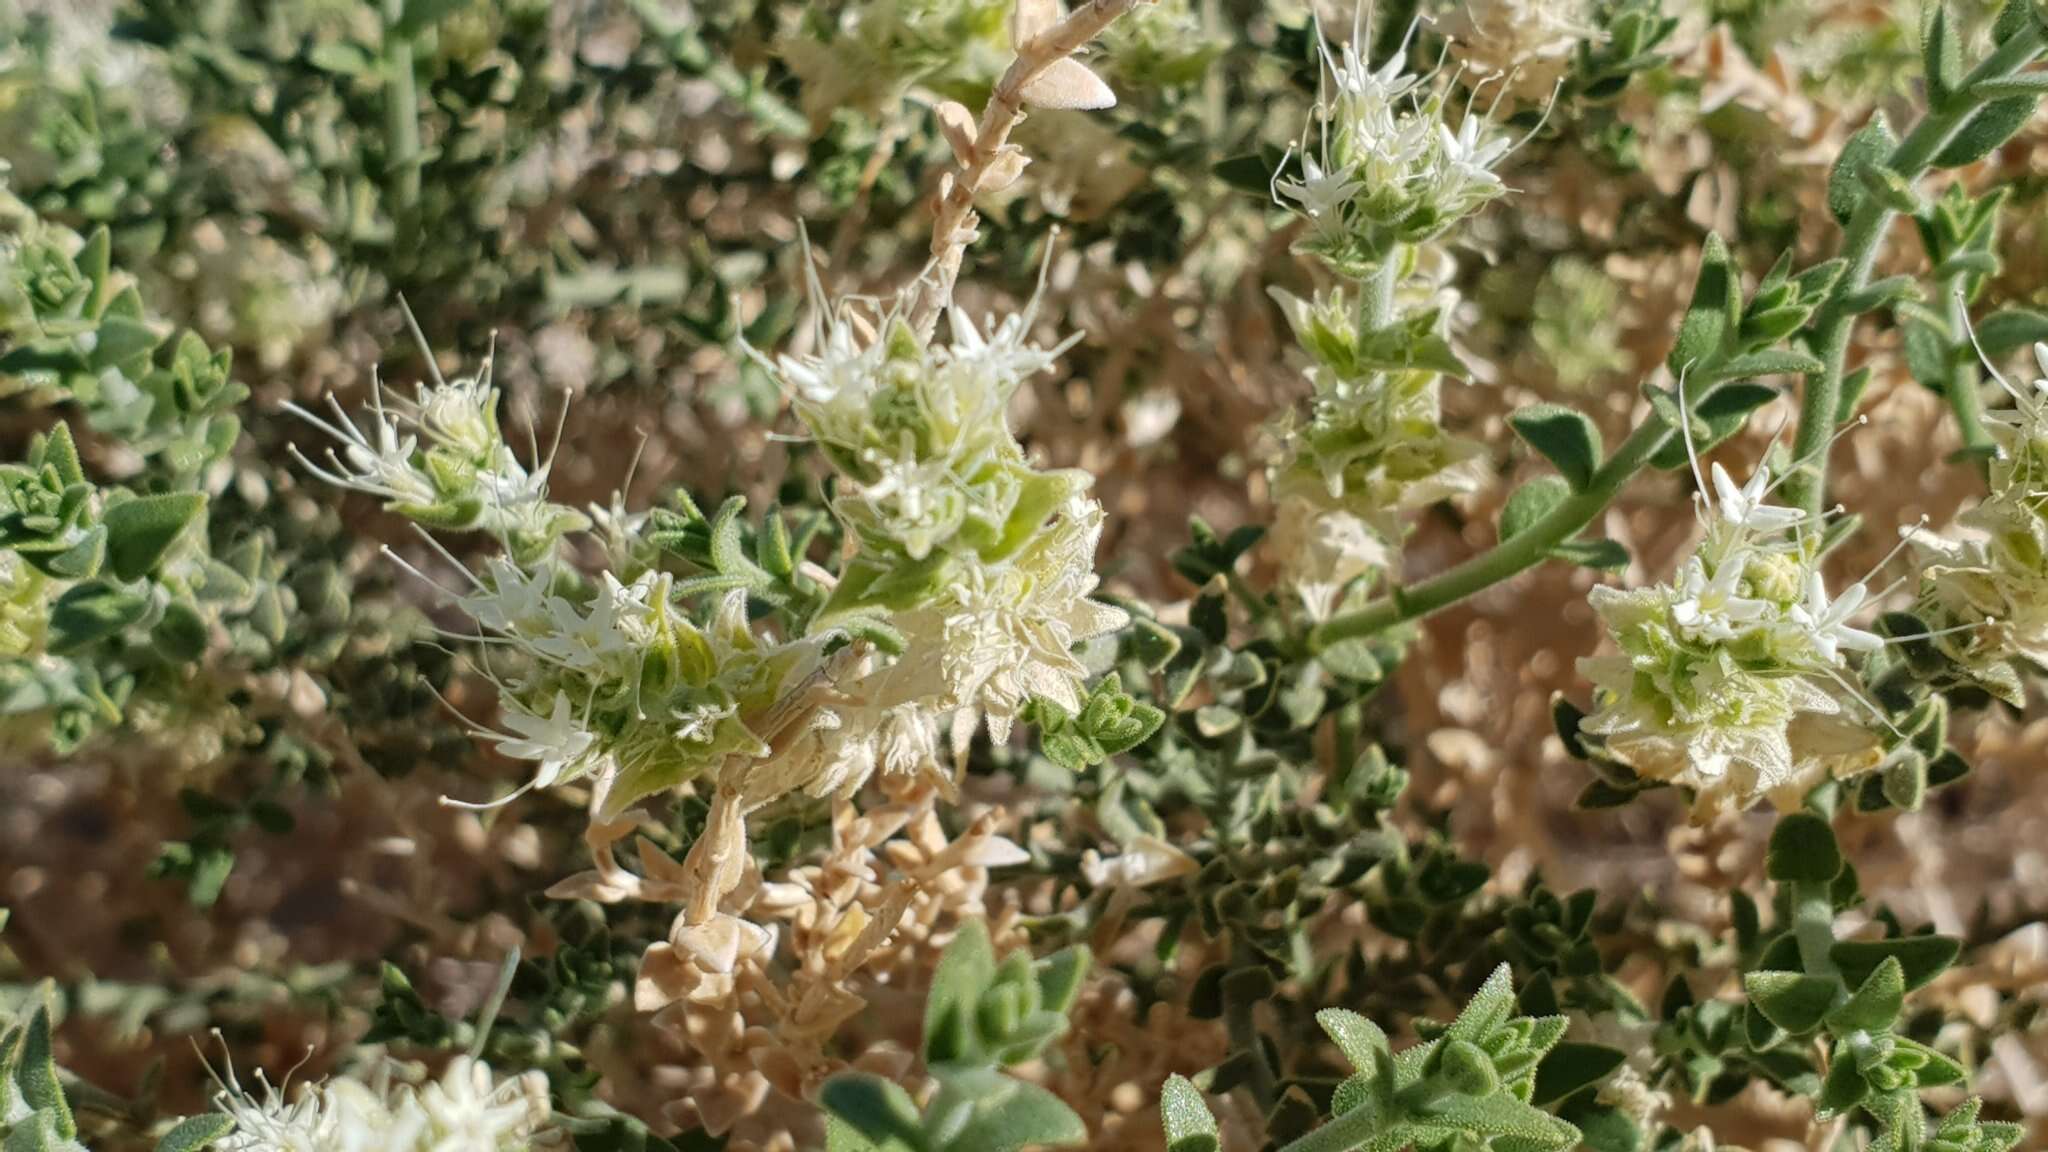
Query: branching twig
point(988, 162)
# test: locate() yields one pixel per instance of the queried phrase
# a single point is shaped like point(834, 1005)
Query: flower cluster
point(468, 1108)
point(1733, 679)
point(440, 459)
point(982, 563)
point(1389, 167)
point(1997, 576)
point(1371, 448)
point(1390, 176)
point(960, 596)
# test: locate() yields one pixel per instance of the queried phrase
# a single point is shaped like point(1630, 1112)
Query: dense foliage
point(886, 575)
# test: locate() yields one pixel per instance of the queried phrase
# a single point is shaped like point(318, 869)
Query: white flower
point(584, 640)
point(1744, 507)
point(843, 370)
point(466, 1110)
point(1826, 623)
point(558, 741)
point(461, 413)
point(1372, 92)
point(1711, 608)
point(1322, 195)
point(1464, 174)
point(700, 724)
point(469, 1110)
point(508, 596)
point(378, 463)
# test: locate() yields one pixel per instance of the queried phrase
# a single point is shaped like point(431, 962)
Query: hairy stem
point(1813, 926)
point(1378, 303)
point(1828, 335)
point(1508, 558)
point(954, 218)
point(401, 115)
point(1835, 322)
point(1962, 388)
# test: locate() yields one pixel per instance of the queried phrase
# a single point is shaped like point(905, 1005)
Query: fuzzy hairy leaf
point(1567, 438)
point(1185, 1115)
point(141, 531)
point(195, 1133)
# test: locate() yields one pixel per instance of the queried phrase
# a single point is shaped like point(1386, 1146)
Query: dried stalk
point(988, 162)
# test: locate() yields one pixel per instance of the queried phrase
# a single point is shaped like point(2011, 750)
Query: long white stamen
point(420, 338)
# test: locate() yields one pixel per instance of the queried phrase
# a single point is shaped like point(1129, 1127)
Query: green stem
point(1963, 387)
point(1511, 556)
point(1813, 926)
point(1344, 745)
point(1254, 604)
point(401, 116)
point(1834, 323)
point(1377, 304)
point(1829, 334)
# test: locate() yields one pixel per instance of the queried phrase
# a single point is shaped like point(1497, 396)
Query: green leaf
point(1803, 849)
point(1598, 553)
point(1506, 1121)
point(1488, 1009)
point(196, 1132)
point(1023, 1115)
point(60, 452)
point(2011, 328)
point(1926, 350)
point(120, 340)
point(180, 637)
point(419, 16)
point(964, 973)
point(1872, 144)
point(1876, 1002)
point(1941, 56)
point(1572, 1066)
point(32, 1135)
point(1361, 1040)
point(36, 1073)
point(1352, 660)
point(1844, 1087)
point(879, 1111)
point(1567, 438)
point(1714, 314)
point(1467, 1069)
point(142, 530)
point(211, 867)
point(2032, 85)
point(1793, 1001)
point(2014, 17)
point(1716, 416)
point(1920, 958)
point(1530, 503)
point(1059, 978)
point(1768, 362)
point(1991, 126)
point(727, 556)
point(1189, 1126)
point(88, 613)
point(771, 546)
point(94, 262)
point(1566, 717)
